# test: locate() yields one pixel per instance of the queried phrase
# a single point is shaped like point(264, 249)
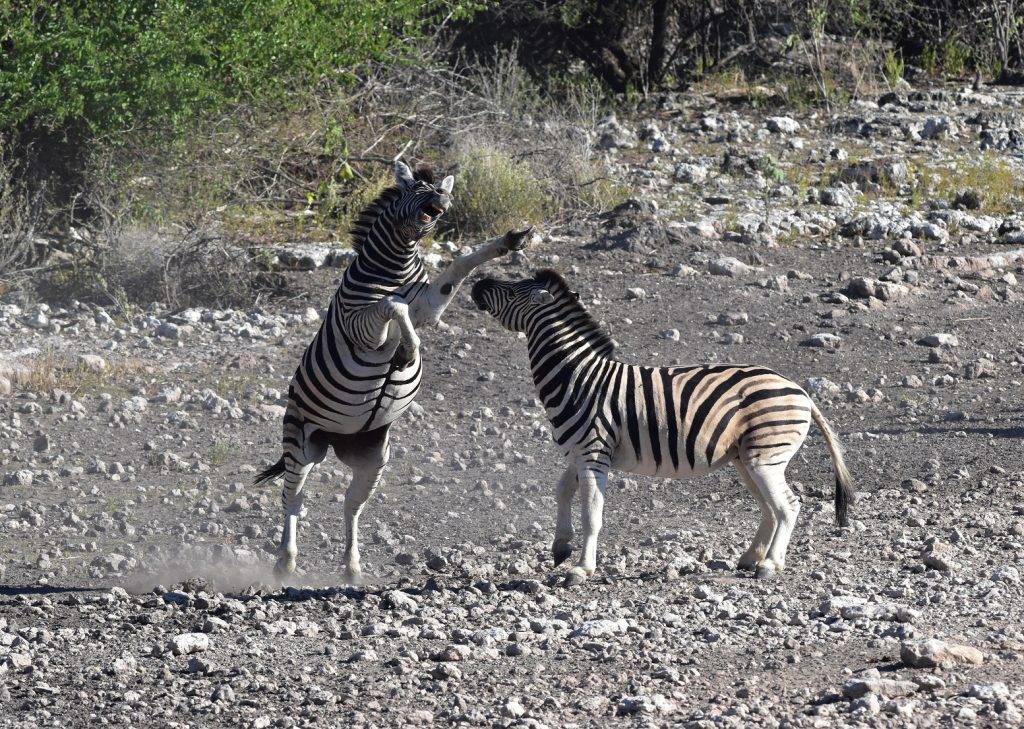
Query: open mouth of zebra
point(430, 212)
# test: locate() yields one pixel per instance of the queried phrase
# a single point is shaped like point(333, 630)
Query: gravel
point(136, 554)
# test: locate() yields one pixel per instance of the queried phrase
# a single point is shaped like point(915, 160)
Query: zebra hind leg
point(564, 492)
point(297, 465)
point(765, 529)
point(292, 498)
point(366, 454)
point(785, 505)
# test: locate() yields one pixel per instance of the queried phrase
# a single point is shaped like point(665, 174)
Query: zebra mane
point(584, 323)
point(364, 221)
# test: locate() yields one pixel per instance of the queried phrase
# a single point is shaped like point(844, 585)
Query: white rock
point(825, 340)
point(187, 643)
point(728, 266)
point(688, 172)
point(939, 339)
point(934, 653)
point(782, 124)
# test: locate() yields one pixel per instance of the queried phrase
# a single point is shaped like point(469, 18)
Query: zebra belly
point(624, 459)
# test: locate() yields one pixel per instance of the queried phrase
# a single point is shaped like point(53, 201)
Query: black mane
point(362, 223)
point(586, 324)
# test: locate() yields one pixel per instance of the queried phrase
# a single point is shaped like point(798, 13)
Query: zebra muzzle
point(477, 293)
point(430, 212)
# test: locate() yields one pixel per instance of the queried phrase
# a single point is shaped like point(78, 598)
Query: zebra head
point(514, 303)
point(420, 203)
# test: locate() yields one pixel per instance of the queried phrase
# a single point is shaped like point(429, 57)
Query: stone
point(939, 340)
point(92, 362)
point(835, 196)
point(934, 653)
point(889, 687)
point(188, 643)
point(687, 172)
point(821, 387)
point(782, 124)
point(728, 266)
point(825, 340)
point(21, 477)
point(979, 368)
point(939, 556)
point(398, 600)
point(860, 287)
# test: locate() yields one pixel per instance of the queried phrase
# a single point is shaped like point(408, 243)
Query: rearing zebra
point(656, 421)
point(362, 369)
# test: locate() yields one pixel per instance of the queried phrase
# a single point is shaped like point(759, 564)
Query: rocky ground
point(872, 255)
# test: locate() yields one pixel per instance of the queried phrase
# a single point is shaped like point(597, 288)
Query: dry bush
point(495, 194)
point(259, 175)
point(18, 217)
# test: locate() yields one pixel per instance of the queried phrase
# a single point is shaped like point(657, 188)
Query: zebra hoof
point(404, 356)
point(284, 567)
point(560, 551)
point(764, 572)
point(353, 577)
point(574, 577)
point(747, 565)
point(517, 240)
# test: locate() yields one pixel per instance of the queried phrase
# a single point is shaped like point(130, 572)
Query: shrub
point(102, 67)
point(495, 193)
point(18, 213)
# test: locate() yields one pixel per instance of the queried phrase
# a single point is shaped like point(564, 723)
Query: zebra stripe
point(362, 369)
point(658, 421)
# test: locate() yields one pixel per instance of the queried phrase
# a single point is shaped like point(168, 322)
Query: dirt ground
point(137, 586)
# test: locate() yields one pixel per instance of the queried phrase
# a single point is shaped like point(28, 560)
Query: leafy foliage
point(104, 67)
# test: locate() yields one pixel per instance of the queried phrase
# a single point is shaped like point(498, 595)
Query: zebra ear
point(403, 175)
point(447, 184)
point(542, 297)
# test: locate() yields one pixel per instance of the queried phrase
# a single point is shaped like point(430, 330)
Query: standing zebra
point(362, 370)
point(671, 422)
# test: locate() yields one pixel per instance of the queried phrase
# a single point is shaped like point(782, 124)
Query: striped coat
point(362, 369)
point(671, 422)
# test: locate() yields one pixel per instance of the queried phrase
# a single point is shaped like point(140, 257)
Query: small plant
point(892, 67)
point(224, 451)
point(495, 193)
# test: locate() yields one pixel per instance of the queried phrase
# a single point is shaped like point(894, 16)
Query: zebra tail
point(271, 473)
point(845, 493)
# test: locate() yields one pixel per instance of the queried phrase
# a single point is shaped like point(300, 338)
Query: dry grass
point(50, 370)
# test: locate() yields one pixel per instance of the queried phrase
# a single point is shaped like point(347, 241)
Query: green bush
point(494, 193)
point(102, 66)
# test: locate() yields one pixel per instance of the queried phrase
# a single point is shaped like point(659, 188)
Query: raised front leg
point(430, 305)
point(370, 328)
point(566, 489)
point(593, 480)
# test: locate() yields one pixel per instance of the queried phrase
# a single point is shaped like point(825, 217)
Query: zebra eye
point(575, 295)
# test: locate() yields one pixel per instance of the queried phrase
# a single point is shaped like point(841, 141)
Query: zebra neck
point(392, 258)
point(557, 355)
